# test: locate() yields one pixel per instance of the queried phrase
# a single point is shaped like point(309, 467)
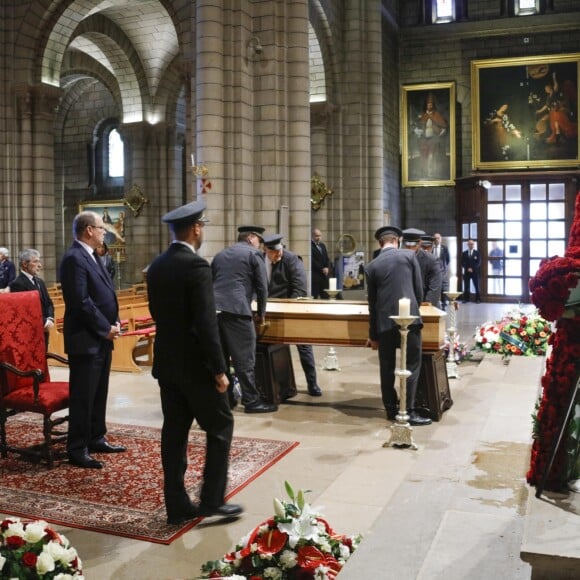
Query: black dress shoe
point(85, 460)
point(314, 391)
point(260, 408)
point(178, 519)
point(227, 510)
point(106, 447)
point(418, 421)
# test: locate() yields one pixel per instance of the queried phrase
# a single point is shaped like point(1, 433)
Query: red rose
point(14, 542)
point(29, 559)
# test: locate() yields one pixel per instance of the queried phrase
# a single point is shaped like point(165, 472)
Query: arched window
point(107, 158)
point(116, 154)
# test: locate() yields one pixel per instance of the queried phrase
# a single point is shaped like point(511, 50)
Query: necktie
point(35, 282)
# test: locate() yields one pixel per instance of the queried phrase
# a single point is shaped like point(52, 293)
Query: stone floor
point(451, 509)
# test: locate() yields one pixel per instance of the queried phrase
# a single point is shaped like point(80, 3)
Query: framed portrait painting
point(113, 213)
point(525, 112)
point(428, 134)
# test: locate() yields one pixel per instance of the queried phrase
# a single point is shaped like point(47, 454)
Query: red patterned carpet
point(126, 497)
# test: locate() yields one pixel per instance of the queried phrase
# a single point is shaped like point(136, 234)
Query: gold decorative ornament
point(319, 191)
point(346, 245)
point(135, 200)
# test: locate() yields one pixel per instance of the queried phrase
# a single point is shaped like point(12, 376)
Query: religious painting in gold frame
point(525, 112)
point(428, 134)
point(114, 217)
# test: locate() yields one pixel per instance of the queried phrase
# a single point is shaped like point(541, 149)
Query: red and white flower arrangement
point(295, 544)
point(34, 550)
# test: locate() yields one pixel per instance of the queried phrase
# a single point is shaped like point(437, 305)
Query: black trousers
point(181, 404)
point(467, 277)
point(238, 338)
point(388, 343)
point(306, 354)
point(89, 388)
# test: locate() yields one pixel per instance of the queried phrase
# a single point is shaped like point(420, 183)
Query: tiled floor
point(457, 499)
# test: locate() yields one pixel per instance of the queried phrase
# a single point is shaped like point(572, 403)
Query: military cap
point(273, 241)
point(186, 214)
point(256, 230)
point(392, 230)
point(412, 235)
point(427, 240)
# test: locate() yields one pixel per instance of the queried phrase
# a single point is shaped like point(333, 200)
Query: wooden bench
point(133, 347)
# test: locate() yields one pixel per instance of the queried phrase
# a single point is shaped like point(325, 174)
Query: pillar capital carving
point(321, 114)
point(39, 100)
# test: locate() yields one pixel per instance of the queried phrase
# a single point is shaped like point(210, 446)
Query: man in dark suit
point(27, 280)
point(190, 367)
point(320, 265)
point(471, 265)
point(91, 323)
point(441, 252)
point(392, 275)
point(7, 269)
point(287, 279)
point(239, 274)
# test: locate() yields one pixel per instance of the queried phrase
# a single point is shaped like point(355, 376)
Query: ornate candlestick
point(401, 431)
point(451, 364)
point(331, 359)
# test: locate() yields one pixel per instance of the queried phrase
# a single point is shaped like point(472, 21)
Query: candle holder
point(331, 359)
point(401, 431)
point(332, 293)
point(451, 331)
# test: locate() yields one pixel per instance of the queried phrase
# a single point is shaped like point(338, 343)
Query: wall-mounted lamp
point(484, 183)
point(254, 47)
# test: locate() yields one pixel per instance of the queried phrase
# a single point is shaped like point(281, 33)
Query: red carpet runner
point(126, 497)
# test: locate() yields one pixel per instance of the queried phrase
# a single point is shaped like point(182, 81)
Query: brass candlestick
point(451, 364)
point(401, 430)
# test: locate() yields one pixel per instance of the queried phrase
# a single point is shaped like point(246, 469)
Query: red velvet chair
point(25, 385)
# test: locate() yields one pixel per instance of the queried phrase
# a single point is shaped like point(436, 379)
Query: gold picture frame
point(525, 112)
point(428, 134)
point(114, 216)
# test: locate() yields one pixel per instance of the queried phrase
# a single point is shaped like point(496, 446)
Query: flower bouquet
point(460, 350)
point(34, 550)
point(516, 334)
point(295, 544)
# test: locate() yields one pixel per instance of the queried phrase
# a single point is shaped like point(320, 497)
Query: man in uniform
point(430, 270)
point(239, 274)
point(287, 279)
point(190, 368)
point(392, 275)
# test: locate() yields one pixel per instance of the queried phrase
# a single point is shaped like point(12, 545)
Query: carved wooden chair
point(25, 384)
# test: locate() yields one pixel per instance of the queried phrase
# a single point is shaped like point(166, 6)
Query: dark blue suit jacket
point(91, 305)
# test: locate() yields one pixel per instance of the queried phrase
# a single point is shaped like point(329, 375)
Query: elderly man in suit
point(392, 275)
point(239, 274)
point(91, 323)
point(471, 265)
point(190, 367)
point(287, 279)
point(27, 280)
point(320, 265)
point(7, 269)
point(441, 252)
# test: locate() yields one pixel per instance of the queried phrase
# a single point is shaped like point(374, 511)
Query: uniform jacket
point(91, 305)
point(7, 273)
point(288, 279)
point(181, 301)
point(392, 275)
point(22, 283)
point(239, 273)
point(431, 275)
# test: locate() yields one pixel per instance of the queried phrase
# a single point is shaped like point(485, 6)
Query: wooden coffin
point(335, 322)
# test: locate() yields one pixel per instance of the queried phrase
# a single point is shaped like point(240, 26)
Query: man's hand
point(115, 331)
point(222, 383)
point(325, 271)
point(374, 344)
point(259, 320)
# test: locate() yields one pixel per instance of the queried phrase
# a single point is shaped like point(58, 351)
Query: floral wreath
point(297, 543)
point(550, 289)
point(34, 550)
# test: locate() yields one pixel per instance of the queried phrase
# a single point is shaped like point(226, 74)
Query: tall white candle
point(332, 283)
point(453, 284)
point(404, 307)
point(192, 160)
